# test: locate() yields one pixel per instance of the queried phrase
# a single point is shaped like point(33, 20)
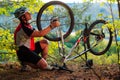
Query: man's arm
point(41, 33)
point(46, 30)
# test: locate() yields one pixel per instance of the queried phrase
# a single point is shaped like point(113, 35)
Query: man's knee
point(44, 42)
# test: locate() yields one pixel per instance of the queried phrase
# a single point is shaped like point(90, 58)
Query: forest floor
point(96, 72)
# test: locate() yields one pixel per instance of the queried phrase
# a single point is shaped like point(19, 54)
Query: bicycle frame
point(91, 39)
point(83, 37)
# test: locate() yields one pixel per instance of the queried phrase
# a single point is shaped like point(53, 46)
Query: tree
point(7, 7)
point(118, 1)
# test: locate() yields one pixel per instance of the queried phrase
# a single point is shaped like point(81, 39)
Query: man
point(24, 39)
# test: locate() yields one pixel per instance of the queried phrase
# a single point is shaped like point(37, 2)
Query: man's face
point(27, 16)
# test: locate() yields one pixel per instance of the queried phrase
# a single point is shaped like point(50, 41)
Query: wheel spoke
point(56, 9)
point(100, 36)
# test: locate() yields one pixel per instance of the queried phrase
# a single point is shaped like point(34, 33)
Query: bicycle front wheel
point(101, 36)
point(64, 14)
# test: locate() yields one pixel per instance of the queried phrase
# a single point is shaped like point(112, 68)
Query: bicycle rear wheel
point(100, 36)
point(64, 14)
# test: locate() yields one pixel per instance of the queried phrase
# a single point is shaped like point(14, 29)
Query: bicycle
point(92, 37)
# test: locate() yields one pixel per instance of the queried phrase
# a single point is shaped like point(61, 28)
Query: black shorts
point(26, 55)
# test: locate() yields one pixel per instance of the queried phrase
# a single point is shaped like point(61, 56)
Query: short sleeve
point(27, 30)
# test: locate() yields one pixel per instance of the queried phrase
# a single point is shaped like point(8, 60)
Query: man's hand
point(54, 22)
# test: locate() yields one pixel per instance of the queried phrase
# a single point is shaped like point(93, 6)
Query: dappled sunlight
point(82, 36)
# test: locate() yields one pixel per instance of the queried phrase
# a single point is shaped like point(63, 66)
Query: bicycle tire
point(44, 7)
point(108, 34)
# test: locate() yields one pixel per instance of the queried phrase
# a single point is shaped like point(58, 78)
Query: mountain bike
point(92, 37)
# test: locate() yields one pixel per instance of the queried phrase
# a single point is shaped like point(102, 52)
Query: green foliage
point(113, 26)
point(118, 47)
point(111, 1)
point(7, 47)
point(103, 59)
point(9, 7)
point(53, 53)
point(70, 41)
point(112, 49)
point(79, 12)
point(7, 42)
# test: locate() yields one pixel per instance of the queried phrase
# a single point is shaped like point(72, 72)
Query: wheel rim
point(60, 10)
point(103, 43)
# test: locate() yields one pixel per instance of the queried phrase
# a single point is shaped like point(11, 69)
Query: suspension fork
point(61, 47)
point(63, 67)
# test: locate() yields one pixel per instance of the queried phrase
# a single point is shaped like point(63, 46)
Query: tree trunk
point(118, 7)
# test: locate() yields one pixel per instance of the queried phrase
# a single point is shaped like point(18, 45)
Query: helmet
point(20, 11)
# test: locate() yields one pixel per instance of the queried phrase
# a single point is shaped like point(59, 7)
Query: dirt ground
point(97, 72)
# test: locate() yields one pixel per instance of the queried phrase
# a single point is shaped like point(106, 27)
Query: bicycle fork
point(63, 67)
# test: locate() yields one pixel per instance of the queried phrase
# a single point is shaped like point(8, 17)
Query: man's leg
point(44, 47)
point(42, 64)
